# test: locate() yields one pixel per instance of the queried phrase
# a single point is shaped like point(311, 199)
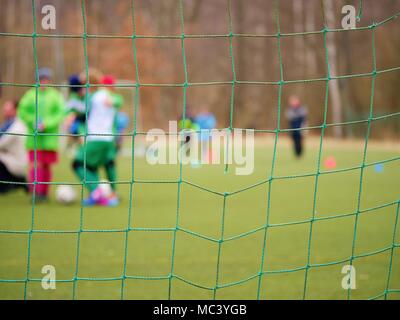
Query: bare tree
point(59, 50)
point(334, 90)
point(298, 52)
point(11, 52)
point(241, 65)
point(310, 26)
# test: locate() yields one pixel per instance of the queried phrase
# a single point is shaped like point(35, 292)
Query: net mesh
point(269, 182)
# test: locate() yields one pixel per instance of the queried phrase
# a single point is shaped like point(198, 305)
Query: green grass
point(153, 216)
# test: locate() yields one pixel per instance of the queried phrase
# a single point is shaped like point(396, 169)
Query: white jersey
point(101, 117)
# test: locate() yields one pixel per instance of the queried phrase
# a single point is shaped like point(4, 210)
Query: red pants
point(41, 172)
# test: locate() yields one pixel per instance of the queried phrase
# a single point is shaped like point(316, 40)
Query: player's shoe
point(89, 201)
point(97, 198)
point(113, 200)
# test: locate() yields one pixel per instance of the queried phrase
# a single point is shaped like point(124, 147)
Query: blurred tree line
point(257, 63)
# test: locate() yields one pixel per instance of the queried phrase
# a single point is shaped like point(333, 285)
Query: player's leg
point(31, 176)
point(91, 178)
point(48, 159)
point(5, 175)
point(40, 191)
point(86, 173)
point(300, 144)
point(84, 170)
point(46, 179)
point(37, 175)
point(110, 164)
point(111, 171)
point(85, 164)
point(297, 143)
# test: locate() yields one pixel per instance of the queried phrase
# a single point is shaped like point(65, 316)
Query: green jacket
point(51, 111)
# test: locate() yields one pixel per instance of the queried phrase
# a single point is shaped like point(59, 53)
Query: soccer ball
point(65, 194)
point(105, 188)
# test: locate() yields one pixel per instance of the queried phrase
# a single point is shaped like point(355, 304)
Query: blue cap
point(45, 73)
point(74, 82)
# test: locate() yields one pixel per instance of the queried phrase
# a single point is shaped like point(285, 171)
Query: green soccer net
point(180, 259)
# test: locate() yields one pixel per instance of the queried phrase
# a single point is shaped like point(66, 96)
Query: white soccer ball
point(65, 194)
point(105, 188)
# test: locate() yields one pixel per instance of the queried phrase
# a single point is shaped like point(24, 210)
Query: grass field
point(153, 218)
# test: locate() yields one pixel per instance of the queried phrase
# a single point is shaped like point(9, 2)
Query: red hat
point(108, 80)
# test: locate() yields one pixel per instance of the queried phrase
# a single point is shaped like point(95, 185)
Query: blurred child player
point(296, 115)
point(42, 116)
point(99, 148)
point(121, 122)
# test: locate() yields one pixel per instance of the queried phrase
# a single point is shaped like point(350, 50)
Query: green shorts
point(98, 153)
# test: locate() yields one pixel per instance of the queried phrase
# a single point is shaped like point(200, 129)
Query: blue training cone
point(379, 167)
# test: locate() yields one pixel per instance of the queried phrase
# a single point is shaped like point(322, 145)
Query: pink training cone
point(330, 162)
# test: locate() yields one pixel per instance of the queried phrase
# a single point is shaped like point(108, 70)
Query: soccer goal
point(200, 150)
